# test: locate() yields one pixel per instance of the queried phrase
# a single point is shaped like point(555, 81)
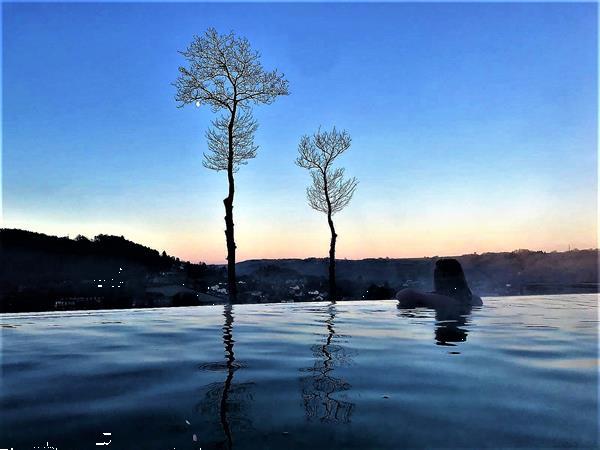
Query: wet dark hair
point(449, 279)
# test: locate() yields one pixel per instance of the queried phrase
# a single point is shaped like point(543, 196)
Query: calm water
point(520, 372)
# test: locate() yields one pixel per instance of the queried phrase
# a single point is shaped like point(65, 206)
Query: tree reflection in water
point(226, 400)
point(319, 390)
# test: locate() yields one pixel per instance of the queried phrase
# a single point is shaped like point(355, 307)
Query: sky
point(474, 126)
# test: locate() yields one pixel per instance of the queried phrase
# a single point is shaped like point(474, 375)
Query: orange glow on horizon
point(358, 239)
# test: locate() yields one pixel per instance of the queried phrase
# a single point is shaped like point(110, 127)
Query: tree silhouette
point(226, 74)
point(329, 192)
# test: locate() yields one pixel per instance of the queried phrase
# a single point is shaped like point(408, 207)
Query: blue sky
point(473, 125)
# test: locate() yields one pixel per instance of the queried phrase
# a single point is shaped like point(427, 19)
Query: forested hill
point(35, 257)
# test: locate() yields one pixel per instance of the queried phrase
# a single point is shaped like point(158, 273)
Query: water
point(520, 372)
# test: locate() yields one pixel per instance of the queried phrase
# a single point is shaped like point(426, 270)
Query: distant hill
point(516, 272)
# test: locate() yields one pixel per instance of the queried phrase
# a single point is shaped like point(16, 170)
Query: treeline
point(35, 258)
point(40, 272)
point(523, 268)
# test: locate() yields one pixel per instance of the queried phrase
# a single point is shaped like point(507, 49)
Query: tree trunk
point(229, 236)
point(332, 285)
point(228, 202)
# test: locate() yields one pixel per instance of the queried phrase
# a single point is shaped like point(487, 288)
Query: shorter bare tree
point(329, 192)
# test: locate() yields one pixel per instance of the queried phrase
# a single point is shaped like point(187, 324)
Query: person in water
point(451, 289)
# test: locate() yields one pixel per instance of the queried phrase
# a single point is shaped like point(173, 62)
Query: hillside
point(29, 256)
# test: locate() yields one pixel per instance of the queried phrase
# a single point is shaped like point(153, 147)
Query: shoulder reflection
point(451, 322)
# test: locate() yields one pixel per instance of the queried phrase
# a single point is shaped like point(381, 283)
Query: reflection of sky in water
point(521, 372)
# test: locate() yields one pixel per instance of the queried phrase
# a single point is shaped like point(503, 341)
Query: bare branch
point(244, 128)
point(222, 71)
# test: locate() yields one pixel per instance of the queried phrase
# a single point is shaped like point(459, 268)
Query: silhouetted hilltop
point(28, 256)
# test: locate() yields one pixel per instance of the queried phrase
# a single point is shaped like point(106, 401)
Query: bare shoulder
point(412, 298)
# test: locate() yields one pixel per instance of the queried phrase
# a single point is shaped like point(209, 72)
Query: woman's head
point(449, 279)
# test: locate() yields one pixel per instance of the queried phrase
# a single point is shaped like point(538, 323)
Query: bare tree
point(329, 192)
point(226, 74)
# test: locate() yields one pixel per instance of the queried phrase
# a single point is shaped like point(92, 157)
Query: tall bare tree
point(329, 192)
point(224, 73)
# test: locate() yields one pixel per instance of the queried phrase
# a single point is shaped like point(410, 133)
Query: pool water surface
point(519, 372)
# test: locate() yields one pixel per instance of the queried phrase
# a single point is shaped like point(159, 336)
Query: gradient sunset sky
point(473, 126)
